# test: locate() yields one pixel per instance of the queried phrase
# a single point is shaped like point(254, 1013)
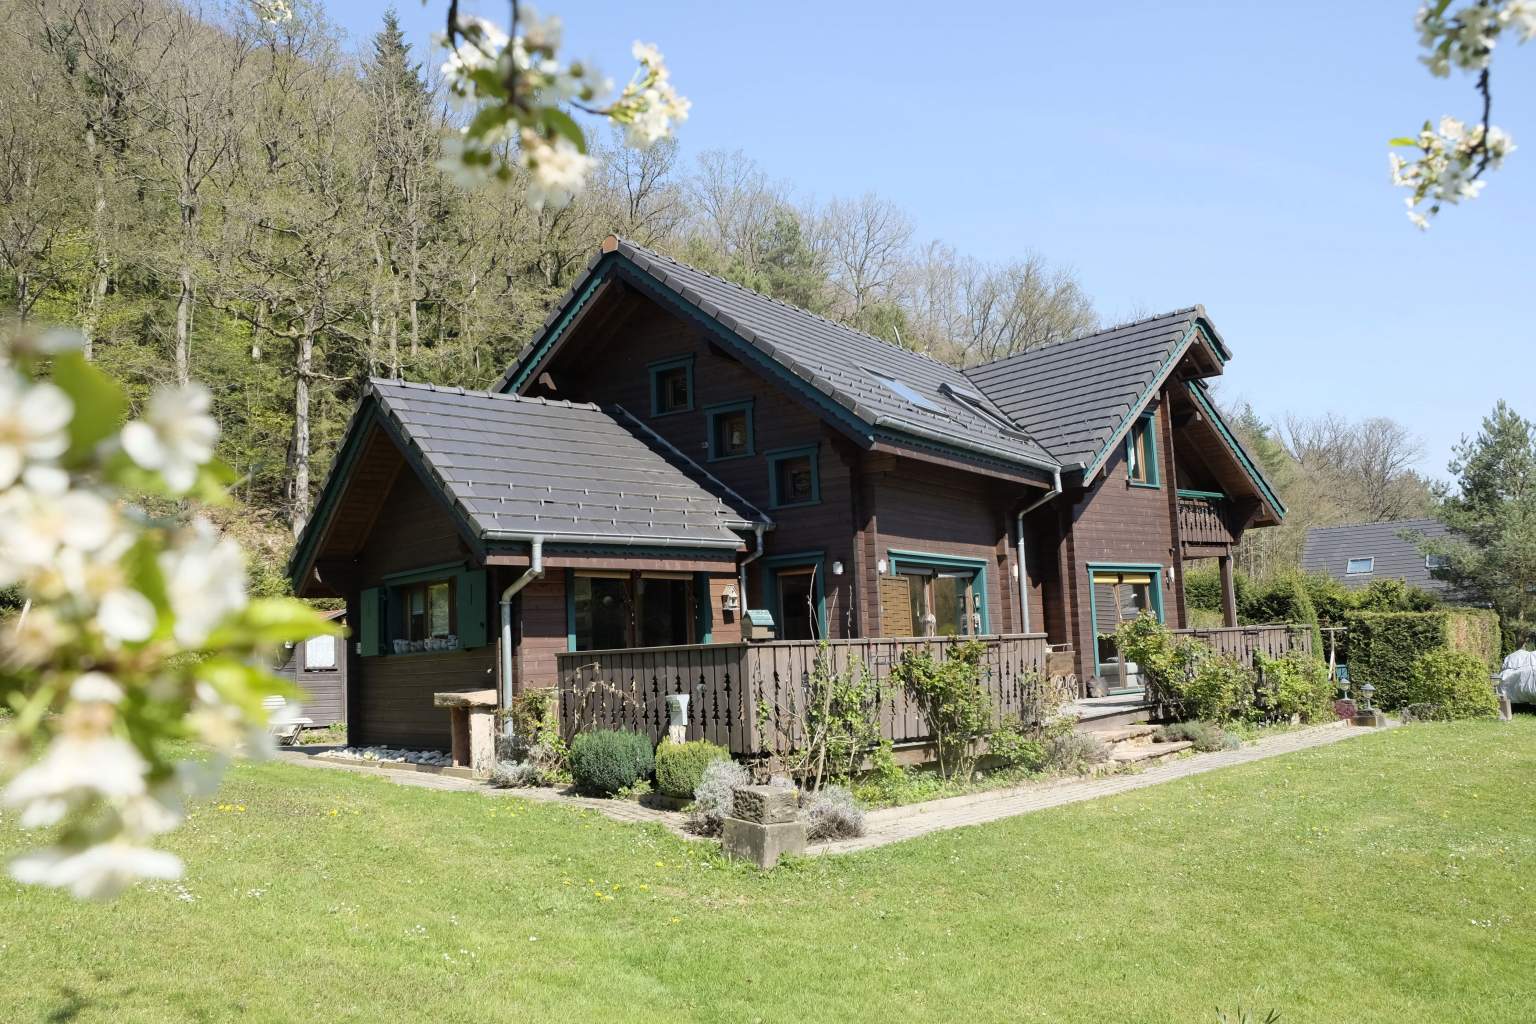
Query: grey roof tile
point(1328, 549)
point(1072, 396)
point(519, 466)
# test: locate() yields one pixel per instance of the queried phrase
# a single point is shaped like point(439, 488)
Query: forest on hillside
point(207, 196)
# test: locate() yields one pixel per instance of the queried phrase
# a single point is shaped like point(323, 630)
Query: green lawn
point(1388, 878)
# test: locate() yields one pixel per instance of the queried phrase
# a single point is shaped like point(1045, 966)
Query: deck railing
point(1243, 642)
point(751, 697)
point(1205, 520)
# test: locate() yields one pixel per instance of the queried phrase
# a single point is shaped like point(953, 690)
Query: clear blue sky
point(1227, 154)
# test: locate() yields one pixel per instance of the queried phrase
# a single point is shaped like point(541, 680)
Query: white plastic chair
point(285, 719)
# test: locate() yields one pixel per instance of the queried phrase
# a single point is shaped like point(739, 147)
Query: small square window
point(793, 478)
point(1437, 561)
point(1360, 566)
point(730, 431)
point(671, 386)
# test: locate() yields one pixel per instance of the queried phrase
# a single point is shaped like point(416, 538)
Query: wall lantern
point(730, 600)
point(880, 567)
point(837, 568)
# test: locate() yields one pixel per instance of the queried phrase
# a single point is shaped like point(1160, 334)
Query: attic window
point(908, 393)
point(973, 402)
point(1360, 566)
point(1437, 561)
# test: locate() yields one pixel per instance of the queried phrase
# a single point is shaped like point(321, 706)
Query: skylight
point(907, 393)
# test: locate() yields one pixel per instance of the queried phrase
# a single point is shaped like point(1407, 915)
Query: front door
point(796, 611)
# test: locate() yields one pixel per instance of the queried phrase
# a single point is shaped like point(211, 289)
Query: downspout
point(534, 571)
point(1023, 570)
point(757, 529)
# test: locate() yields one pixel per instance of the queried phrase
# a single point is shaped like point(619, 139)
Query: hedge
point(1383, 646)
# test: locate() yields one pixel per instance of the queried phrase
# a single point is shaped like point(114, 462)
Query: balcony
point(1206, 522)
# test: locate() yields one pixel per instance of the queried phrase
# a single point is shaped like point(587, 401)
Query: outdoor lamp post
point(1365, 695)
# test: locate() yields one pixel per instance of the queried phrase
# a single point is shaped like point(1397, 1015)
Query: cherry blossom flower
point(558, 171)
point(175, 435)
point(95, 687)
point(34, 421)
point(97, 872)
point(75, 770)
point(204, 581)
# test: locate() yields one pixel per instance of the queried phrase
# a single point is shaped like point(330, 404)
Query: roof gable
point(845, 370)
point(511, 468)
point(1078, 397)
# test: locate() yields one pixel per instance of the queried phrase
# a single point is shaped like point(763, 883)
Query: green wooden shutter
point(472, 608)
point(369, 635)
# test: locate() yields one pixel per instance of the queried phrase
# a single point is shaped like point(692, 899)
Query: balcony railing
point(1205, 518)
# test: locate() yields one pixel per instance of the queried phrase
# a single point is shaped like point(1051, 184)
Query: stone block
point(1372, 718)
point(761, 844)
point(766, 805)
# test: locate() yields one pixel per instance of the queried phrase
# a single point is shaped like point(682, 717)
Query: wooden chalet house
point(675, 451)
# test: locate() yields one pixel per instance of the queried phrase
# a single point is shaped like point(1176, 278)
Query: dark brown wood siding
point(1114, 522)
point(610, 365)
point(392, 695)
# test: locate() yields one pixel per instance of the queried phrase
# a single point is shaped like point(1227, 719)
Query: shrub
point(1012, 747)
point(833, 813)
point(950, 697)
point(715, 795)
point(680, 766)
point(606, 761)
point(1294, 684)
point(535, 718)
point(1283, 599)
point(838, 722)
point(1220, 689)
point(1067, 750)
point(1383, 646)
point(1207, 737)
point(1455, 681)
point(515, 775)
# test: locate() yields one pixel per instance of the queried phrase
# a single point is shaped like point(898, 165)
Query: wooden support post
point(1228, 592)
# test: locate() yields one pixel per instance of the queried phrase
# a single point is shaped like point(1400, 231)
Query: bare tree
point(1366, 467)
point(865, 241)
point(637, 191)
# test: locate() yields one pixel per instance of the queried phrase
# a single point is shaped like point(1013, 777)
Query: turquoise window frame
point(769, 583)
point(779, 455)
point(661, 366)
point(1156, 570)
point(929, 560)
point(713, 411)
point(1146, 422)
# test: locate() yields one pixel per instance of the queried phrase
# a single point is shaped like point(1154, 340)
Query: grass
point(1387, 878)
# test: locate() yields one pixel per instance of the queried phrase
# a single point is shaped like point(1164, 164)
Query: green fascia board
point(1237, 449)
point(1093, 599)
point(932, 560)
point(1185, 492)
point(547, 341)
point(301, 561)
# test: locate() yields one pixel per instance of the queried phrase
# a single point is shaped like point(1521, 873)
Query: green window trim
point(711, 412)
point(654, 371)
point(779, 455)
point(471, 608)
point(927, 560)
point(1154, 569)
point(1145, 426)
point(769, 583)
point(1185, 492)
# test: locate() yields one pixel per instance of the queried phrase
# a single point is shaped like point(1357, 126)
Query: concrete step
point(1146, 753)
point(1121, 733)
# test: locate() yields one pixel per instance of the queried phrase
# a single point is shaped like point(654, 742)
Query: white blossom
point(126, 616)
point(34, 424)
point(557, 171)
point(73, 771)
point(95, 687)
point(204, 581)
point(41, 527)
point(175, 436)
point(97, 872)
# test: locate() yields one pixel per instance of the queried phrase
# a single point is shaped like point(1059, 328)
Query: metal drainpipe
point(1023, 571)
point(757, 529)
point(534, 571)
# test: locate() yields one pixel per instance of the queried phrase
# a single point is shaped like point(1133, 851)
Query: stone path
point(894, 824)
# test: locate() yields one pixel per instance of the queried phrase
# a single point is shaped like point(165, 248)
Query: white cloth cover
point(1518, 676)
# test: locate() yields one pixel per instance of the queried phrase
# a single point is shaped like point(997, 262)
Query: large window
point(671, 386)
point(944, 596)
point(1121, 594)
point(793, 477)
point(1141, 452)
point(730, 430)
point(625, 610)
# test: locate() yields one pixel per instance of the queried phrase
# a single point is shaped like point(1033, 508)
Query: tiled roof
point(1328, 549)
point(841, 363)
point(1073, 396)
point(567, 471)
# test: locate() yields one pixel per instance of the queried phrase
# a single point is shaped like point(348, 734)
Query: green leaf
point(100, 404)
point(1402, 140)
point(557, 122)
point(488, 118)
point(267, 620)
